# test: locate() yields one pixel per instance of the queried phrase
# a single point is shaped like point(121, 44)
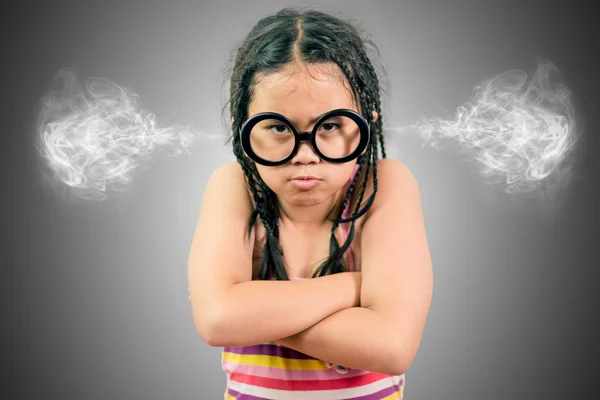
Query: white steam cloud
point(94, 139)
point(519, 132)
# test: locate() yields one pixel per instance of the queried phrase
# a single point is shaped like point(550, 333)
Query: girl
point(310, 264)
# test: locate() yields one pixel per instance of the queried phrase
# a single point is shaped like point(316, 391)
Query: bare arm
point(356, 338)
point(231, 310)
point(263, 311)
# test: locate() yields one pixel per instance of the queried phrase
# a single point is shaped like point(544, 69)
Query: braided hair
point(309, 37)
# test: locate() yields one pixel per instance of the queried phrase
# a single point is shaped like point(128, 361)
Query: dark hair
point(309, 37)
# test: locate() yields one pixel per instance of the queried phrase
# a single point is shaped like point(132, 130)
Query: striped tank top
point(274, 372)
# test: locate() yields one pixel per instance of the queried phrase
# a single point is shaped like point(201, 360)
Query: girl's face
point(303, 94)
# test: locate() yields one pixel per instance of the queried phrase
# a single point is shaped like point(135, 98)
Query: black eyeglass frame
point(363, 125)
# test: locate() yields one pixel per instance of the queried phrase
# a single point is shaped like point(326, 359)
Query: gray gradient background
point(94, 295)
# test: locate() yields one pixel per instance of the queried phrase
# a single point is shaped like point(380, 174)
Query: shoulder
point(232, 170)
point(230, 173)
point(388, 168)
point(227, 182)
point(394, 180)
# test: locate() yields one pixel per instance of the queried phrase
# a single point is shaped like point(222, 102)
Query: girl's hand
point(340, 369)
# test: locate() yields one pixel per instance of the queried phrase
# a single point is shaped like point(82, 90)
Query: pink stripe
point(296, 375)
point(312, 385)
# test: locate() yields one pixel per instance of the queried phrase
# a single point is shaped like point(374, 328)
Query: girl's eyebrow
point(313, 120)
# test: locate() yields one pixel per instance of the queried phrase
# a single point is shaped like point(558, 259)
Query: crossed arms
point(371, 320)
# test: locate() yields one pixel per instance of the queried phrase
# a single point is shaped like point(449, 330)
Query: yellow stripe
point(229, 397)
point(393, 396)
point(274, 361)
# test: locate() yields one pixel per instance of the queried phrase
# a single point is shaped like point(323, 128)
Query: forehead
point(302, 92)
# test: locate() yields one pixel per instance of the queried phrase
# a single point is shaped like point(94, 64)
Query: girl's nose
point(305, 154)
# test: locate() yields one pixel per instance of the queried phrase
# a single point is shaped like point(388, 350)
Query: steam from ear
point(93, 138)
point(519, 132)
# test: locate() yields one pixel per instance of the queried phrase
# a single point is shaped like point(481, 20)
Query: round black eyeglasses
point(338, 136)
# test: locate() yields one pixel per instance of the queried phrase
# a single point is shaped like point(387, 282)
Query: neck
point(310, 217)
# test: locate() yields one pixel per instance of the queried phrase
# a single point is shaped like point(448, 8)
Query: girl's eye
point(278, 128)
point(329, 126)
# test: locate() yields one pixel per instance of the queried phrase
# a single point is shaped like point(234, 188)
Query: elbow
point(207, 334)
point(398, 365)
point(214, 324)
point(211, 339)
point(405, 354)
point(209, 318)
point(207, 327)
point(399, 362)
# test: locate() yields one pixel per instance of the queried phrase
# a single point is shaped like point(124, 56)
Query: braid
point(333, 244)
point(382, 144)
point(265, 209)
point(356, 214)
point(273, 255)
point(358, 86)
point(333, 264)
point(252, 185)
point(370, 70)
point(350, 190)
